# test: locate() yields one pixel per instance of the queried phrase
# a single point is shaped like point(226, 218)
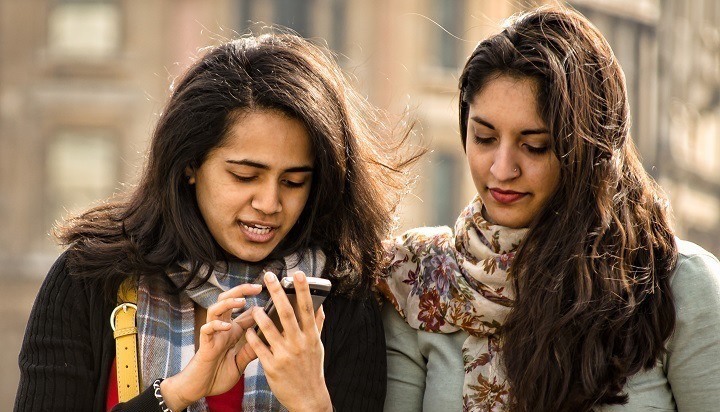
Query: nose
point(505, 165)
point(267, 199)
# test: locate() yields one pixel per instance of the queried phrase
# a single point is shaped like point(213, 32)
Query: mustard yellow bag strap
point(122, 321)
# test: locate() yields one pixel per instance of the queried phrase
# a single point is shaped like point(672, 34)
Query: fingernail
point(270, 277)
point(225, 324)
point(240, 300)
point(299, 277)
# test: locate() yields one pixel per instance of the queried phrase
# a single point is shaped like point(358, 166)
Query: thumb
point(244, 356)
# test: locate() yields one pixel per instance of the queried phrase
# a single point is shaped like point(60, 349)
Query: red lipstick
point(506, 196)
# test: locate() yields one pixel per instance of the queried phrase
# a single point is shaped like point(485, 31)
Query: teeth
point(257, 229)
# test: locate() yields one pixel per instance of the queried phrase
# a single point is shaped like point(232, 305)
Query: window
point(337, 36)
point(82, 167)
point(312, 19)
point(449, 15)
point(84, 28)
point(445, 189)
point(294, 14)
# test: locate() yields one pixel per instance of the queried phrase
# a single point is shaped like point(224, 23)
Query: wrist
point(170, 391)
point(320, 403)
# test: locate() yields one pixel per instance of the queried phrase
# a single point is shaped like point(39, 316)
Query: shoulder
point(688, 250)
point(692, 363)
point(63, 286)
point(695, 286)
point(421, 241)
point(59, 275)
point(63, 301)
point(409, 256)
point(696, 278)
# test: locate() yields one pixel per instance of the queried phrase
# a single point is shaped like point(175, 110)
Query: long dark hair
point(355, 179)
point(594, 304)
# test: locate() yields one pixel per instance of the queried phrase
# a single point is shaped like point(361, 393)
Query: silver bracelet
point(159, 397)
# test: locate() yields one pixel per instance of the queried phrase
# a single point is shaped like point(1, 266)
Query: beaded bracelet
point(159, 397)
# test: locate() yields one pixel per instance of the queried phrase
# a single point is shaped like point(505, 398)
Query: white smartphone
point(319, 290)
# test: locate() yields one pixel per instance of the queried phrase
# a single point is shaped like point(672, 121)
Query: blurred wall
point(82, 82)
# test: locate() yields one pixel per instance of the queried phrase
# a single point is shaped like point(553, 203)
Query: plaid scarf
point(166, 321)
point(443, 283)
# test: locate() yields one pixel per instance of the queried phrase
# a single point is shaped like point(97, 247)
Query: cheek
point(299, 201)
point(208, 208)
point(552, 177)
point(478, 166)
point(219, 204)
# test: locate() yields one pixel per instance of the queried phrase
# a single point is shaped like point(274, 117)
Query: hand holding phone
point(293, 360)
point(319, 290)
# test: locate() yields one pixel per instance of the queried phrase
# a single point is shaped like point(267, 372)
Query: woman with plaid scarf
point(265, 163)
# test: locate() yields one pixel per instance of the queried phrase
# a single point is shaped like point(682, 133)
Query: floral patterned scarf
point(443, 283)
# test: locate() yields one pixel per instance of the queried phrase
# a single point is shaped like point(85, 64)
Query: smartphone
point(319, 289)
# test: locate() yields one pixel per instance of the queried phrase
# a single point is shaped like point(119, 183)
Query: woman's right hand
point(293, 360)
point(222, 354)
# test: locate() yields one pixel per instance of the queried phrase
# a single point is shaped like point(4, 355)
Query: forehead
point(268, 136)
point(507, 95)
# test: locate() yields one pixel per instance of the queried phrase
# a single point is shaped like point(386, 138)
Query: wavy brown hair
point(357, 175)
point(594, 304)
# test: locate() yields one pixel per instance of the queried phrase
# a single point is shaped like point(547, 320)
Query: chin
point(251, 254)
point(508, 221)
point(516, 223)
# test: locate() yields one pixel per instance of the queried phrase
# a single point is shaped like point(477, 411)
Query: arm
point(406, 365)
point(356, 366)
point(693, 363)
point(58, 359)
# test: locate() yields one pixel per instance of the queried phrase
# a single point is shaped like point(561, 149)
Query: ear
point(190, 175)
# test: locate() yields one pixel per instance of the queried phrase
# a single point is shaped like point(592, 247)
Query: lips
point(257, 232)
point(506, 196)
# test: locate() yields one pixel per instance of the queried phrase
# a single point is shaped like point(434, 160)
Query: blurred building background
point(82, 82)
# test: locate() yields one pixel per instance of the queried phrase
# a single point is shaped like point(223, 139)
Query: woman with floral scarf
point(562, 286)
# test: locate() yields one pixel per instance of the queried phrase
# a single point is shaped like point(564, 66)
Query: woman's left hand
point(293, 362)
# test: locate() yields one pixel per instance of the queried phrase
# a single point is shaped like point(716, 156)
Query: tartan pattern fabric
point(166, 321)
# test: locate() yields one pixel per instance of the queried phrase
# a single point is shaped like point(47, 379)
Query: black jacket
point(68, 349)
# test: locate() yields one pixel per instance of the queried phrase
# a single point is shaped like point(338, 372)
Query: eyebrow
point(258, 165)
point(489, 125)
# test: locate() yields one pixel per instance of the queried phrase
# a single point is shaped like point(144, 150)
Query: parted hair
point(593, 304)
point(355, 183)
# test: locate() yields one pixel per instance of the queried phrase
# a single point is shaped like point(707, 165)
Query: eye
point(484, 140)
point(537, 149)
point(293, 184)
point(243, 178)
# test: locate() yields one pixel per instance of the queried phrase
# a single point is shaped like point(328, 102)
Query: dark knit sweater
point(68, 349)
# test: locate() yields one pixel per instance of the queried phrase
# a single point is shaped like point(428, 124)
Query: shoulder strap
point(122, 321)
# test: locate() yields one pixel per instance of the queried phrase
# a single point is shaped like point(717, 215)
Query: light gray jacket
point(425, 370)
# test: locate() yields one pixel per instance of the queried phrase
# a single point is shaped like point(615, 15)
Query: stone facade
point(81, 83)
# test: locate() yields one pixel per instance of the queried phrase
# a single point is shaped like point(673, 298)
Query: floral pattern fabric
point(442, 282)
